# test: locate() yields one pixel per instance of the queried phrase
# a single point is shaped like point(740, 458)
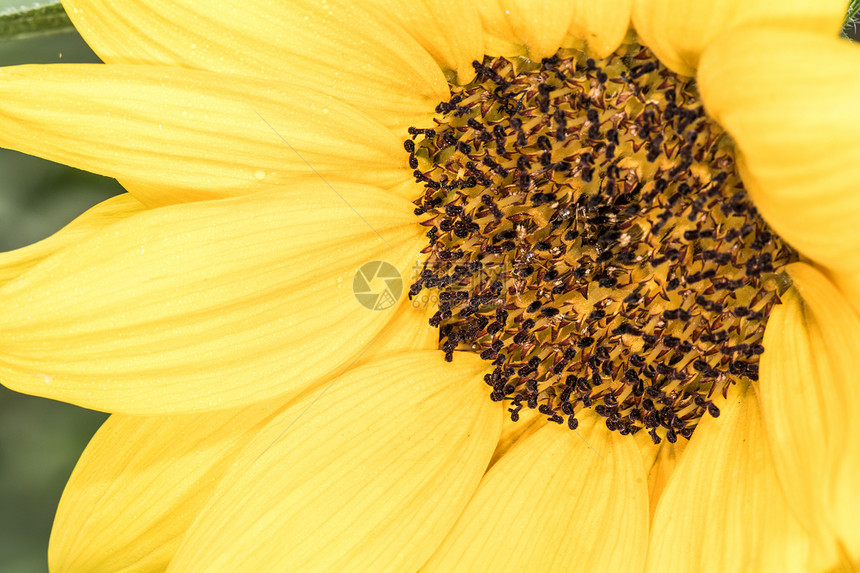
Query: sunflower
point(627, 231)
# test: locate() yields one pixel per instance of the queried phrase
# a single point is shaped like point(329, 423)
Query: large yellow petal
point(679, 31)
point(14, 263)
point(408, 189)
point(140, 484)
point(540, 25)
point(171, 135)
point(450, 30)
point(796, 418)
point(789, 100)
point(367, 475)
point(500, 39)
point(338, 47)
point(556, 501)
point(722, 509)
point(409, 329)
point(528, 423)
point(648, 450)
point(602, 24)
point(205, 305)
point(848, 282)
point(664, 462)
point(811, 404)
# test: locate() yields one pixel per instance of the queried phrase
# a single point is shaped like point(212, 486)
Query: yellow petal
point(795, 416)
point(140, 484)
point(665, 462)
point(722, 509)
point(367, 475)
point(558, 499)
point(679, 31)
point(408, 189)
point(601, 25)
point(205, 305)
point(540, 24)
point(171, 135)
point(659, 461)
point(789, 100)
point(14, 263)
point(409, 329)
point(848, 282)
point(500, 39)
point(450, 31)
point(811, 404)
point(529, 422)
point(648, 450)
point(341, 48)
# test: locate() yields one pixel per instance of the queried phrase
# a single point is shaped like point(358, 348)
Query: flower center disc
point(590, 236)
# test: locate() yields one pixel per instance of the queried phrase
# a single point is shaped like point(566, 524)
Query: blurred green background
point(40, 440)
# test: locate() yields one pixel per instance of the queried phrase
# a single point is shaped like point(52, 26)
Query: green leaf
point(35, 18)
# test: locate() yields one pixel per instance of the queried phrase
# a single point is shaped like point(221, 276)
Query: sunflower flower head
point(631, 336)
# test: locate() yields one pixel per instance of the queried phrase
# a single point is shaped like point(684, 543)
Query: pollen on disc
point(589, 236)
